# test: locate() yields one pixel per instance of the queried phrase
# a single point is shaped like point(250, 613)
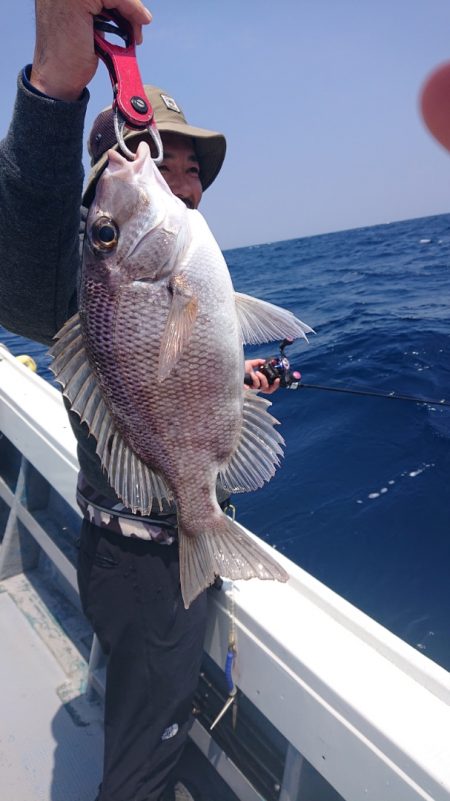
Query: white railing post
point(291, 787)
point(19, 551)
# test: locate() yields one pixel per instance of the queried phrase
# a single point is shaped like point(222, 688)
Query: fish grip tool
point(131, 106)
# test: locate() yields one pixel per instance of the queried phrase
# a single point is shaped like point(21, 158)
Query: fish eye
point(104, 234)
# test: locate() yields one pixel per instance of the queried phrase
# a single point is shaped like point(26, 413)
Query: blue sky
point(318, 101)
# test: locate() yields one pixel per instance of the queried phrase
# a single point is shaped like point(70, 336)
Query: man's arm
point(41, 171)
point(41, 179)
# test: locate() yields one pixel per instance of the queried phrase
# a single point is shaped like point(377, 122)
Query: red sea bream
point(154, 364)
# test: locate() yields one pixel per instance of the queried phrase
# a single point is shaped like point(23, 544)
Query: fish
point(153, 363)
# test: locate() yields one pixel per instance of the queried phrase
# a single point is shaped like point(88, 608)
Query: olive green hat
point(209, 146)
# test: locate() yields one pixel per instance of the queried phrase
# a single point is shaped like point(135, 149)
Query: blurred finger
point(435, 104)
point(263, 382)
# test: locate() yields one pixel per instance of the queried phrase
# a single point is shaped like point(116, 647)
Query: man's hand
point(64, 57)
point(259, 379)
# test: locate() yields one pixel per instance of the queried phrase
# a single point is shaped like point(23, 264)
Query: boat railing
point(322, 687)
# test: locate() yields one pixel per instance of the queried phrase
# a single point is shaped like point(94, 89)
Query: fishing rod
point(279, 367)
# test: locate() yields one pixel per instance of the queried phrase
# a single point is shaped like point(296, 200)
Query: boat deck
point(51, 735)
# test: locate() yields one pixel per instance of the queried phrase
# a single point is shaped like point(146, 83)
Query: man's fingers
point(134, 11)
point(272, 387)
point(262, 382)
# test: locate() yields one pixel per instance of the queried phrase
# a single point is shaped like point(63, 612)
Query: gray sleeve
point(41, 178)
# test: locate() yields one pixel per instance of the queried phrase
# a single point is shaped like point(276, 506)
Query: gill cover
point(136, 224)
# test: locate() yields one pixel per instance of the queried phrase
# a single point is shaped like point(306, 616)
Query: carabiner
point(131, 107)
point(119, 125)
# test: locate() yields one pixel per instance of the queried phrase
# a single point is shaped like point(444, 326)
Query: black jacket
point(41, 180)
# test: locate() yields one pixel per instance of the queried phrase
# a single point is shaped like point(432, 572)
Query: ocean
point(362, 500)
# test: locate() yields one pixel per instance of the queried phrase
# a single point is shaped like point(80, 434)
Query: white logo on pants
point(171, 731)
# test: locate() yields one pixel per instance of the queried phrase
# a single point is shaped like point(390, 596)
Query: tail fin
point(223, 551)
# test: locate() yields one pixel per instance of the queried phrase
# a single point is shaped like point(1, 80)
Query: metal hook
point(119, 126)
point(154, 133)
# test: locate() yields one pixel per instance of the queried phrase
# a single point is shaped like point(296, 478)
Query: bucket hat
point(210, 146)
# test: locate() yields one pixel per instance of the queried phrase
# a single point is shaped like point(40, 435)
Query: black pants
point(130, 592)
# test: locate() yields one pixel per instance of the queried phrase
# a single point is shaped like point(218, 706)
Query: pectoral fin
point(263, 322)
point(179, 325)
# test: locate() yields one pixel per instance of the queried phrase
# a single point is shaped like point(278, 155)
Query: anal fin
point(260, 447)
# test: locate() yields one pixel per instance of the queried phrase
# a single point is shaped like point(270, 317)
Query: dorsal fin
point(263, 322)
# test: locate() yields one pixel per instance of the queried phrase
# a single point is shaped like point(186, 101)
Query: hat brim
point(210, 148)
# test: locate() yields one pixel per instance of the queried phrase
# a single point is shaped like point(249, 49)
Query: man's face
point(180, 168)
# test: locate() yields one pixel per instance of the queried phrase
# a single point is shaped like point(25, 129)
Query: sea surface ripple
point(362, 500)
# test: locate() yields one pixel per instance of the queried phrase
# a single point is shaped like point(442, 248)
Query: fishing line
point(373, 394)
point(279, 367)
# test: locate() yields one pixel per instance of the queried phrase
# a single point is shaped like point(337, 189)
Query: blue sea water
point(362, 500)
